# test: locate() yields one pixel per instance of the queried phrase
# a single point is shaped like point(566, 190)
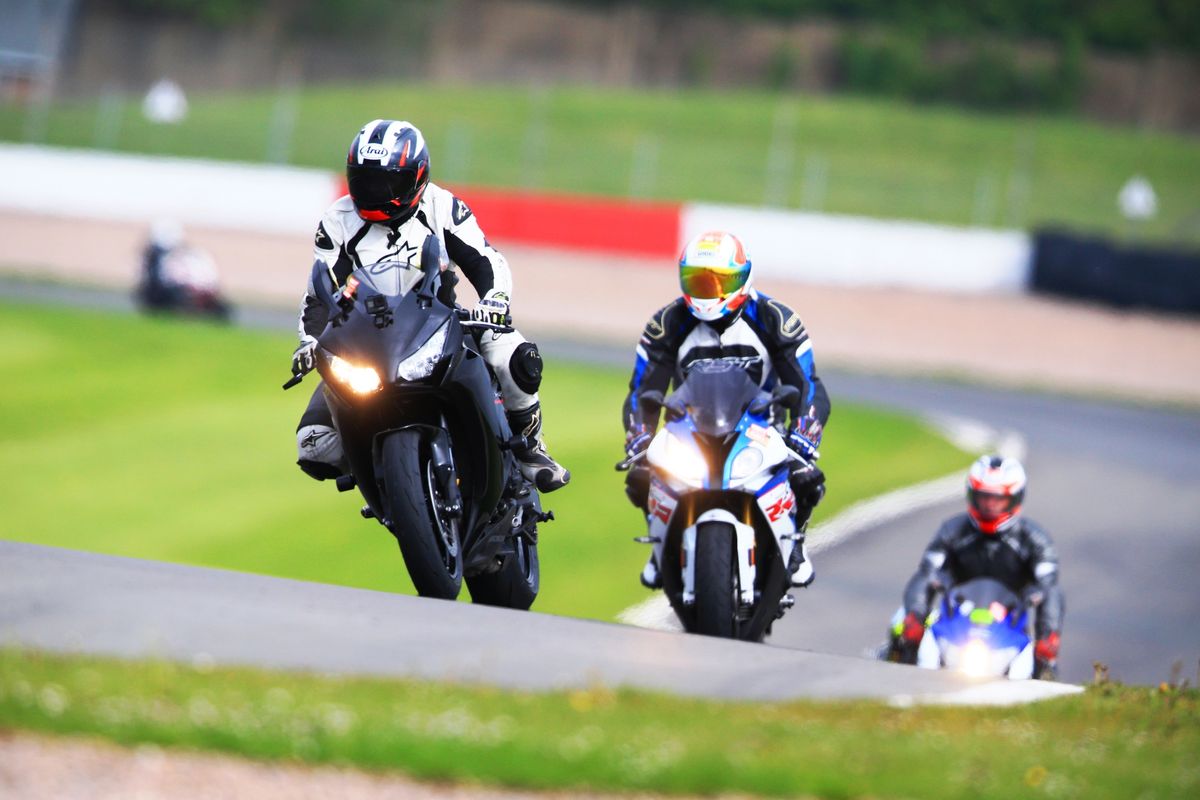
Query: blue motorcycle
point(981, 628)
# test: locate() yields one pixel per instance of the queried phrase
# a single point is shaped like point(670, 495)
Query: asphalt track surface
point(1117, 486)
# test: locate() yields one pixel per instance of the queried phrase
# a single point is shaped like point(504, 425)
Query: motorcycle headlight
point(360, 380)
point(683, 461)
point(421, 363)
point(746, 463)
point(976, 659)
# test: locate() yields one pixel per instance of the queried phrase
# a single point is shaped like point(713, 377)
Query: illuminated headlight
point(360, 380)
point(684, 462)
point(976, 659)
point(746, 463)
point(421, 363)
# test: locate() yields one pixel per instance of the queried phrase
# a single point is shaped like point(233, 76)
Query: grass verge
point(843, 155)
point(171, 440)
point(1112, 741)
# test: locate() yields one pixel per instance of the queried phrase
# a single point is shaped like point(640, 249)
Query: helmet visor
point(374, 188)
point(712, 283)
point(989, 505)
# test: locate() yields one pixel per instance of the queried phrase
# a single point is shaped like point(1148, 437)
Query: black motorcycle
point(424, 431)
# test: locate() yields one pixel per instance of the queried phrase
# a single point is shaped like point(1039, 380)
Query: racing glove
point(636, 441)
point(805, 437)
point(492, 309)
point(808, 484)
point(913, 629)
point(1046, 648)
point(304, 359)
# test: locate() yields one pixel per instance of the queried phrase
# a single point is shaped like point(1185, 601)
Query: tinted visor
point(990, 505)
point(712, 283)
point(375, 188)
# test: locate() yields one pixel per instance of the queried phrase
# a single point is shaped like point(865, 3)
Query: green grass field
point(844, 155)
point(171, 440)
point(1109, 742)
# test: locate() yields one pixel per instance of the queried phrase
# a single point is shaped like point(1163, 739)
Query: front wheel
point(428, 537)
point(716, 580)
point(515, 584)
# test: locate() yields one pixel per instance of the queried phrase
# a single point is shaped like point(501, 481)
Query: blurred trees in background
point(1135, 26)
point(1054, 55)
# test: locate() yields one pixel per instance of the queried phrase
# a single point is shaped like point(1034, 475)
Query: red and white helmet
point(714, 274)
point(995, 491)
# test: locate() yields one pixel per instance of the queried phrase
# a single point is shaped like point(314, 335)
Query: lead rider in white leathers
point(391, 208)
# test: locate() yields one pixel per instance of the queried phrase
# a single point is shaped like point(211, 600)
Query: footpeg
point(345, 483)
point(366, 512)
point(647, 539)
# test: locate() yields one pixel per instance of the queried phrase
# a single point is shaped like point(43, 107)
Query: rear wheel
point(515, 584)
point(716, 580)
point(428, 537)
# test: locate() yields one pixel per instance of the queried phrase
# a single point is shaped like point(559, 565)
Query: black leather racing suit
point(1022, 557)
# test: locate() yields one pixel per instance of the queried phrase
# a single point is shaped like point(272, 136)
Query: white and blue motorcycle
point(720, 507)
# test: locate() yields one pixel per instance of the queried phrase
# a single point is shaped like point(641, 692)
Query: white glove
point(304, 359)
point(492, 309)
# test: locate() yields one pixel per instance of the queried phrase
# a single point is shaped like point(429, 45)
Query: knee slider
point(525, 366)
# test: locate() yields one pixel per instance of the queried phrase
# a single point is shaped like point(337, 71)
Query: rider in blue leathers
point(720, 316)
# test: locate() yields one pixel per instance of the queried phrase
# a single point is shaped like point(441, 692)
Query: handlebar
point(625, 464)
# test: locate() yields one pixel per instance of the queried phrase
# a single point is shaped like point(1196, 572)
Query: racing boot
point(800, 565)
point(651, 578)
point(536, 464)
point(320, 452)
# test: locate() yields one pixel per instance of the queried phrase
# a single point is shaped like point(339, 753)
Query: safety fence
point(800, 246)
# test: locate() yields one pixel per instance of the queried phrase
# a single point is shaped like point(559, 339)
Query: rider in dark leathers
point(999, 544)
point(727, 322)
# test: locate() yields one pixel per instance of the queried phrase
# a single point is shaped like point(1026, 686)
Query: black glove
point(808, 483)
point(304, 359)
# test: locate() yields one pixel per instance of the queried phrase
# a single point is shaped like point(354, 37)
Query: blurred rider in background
point(178, 276)
point(391, 208)
point(721, 317)
point(990, 540)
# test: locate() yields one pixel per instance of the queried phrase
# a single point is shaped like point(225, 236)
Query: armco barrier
point(578, 223)
point(858, 251)
point(1089, 268)
point(95, 184)
point(793, 245)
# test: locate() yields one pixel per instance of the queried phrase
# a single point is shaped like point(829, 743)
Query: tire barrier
point(1092, 268)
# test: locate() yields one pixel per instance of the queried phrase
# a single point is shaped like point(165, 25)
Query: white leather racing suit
point(345, 242)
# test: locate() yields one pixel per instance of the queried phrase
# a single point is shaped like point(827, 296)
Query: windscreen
point(982, 592)
point(716, 394)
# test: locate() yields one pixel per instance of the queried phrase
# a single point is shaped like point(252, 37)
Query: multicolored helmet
point(714, 274)
point(995, 491)
point(387, 170)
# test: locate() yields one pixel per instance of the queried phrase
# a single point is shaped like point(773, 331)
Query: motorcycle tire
point(431, 545)
point(514, 585)
point(716, 581)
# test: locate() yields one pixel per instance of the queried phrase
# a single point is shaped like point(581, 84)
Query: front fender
point(745, 549)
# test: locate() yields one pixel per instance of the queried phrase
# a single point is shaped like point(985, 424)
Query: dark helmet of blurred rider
point(995, 491)
point(714, 275)
point(387, 170)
